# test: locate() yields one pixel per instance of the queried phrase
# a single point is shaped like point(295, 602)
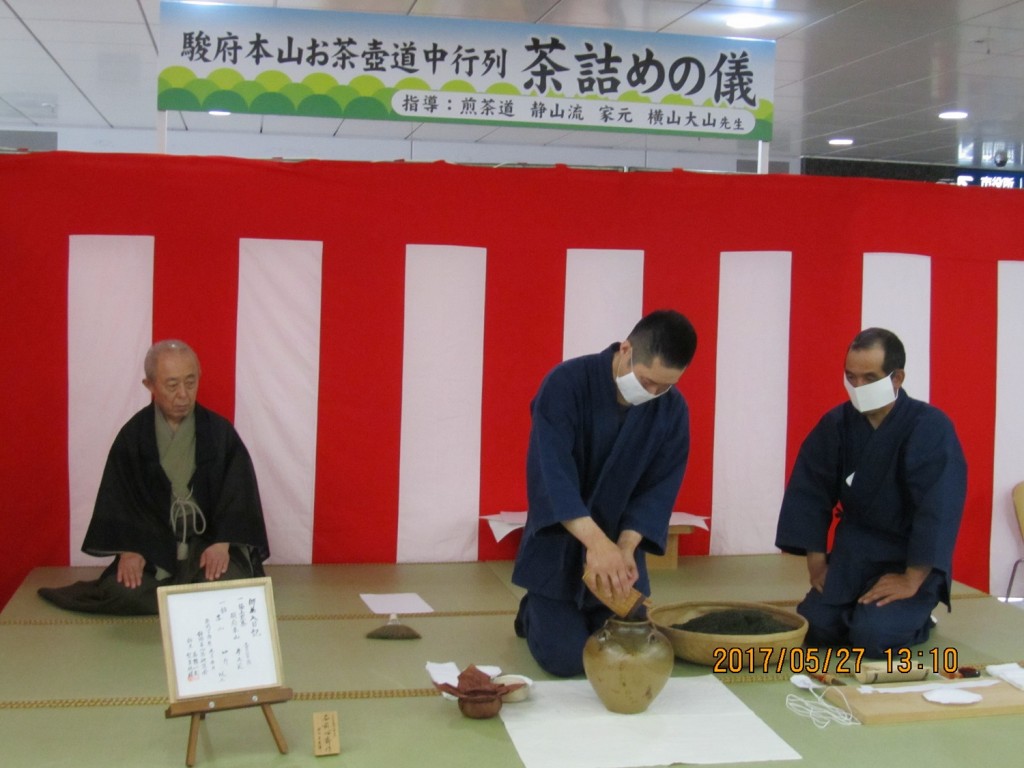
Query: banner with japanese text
point(416, 68)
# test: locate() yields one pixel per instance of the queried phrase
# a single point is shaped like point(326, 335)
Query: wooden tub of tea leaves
point(729, 635)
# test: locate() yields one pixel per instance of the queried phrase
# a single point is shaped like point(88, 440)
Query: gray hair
point(167, 345)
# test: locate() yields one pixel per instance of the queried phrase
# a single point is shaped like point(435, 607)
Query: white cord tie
point(186, 512)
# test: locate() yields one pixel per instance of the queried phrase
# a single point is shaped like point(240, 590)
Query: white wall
point(721, 158)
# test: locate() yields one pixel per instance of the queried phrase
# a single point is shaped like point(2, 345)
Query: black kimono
point(132, 514)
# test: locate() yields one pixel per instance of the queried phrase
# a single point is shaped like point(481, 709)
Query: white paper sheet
point(396, 602)
point(448, 671)
point(503, 523)
point(685, 518)
point(694, 720)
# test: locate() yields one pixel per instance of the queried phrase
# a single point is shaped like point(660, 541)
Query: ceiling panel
point(783, 17)
point(90, 34)
point(375, 129)
point(200, 121)
point(102, 11)
point(877, 71)
point(603, 139)
point(456, 132)
point(524, 135)
point(354, 6)
point(815, 7)
point(646, 15)
point(995, 15)
point(307, 126)
point(496, 10)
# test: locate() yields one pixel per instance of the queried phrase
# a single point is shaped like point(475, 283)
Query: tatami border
point(162, 701)
point(102, 620)
point(78, 620)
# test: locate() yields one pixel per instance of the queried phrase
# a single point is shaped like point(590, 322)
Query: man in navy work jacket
point(608, 447)
point(893, 468)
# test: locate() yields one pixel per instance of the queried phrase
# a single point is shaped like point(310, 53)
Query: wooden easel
point(199, 707)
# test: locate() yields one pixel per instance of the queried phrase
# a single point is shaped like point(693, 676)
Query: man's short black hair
point(664, 334)
point(895, 354)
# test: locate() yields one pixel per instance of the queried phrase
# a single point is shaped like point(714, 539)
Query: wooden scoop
point(633, 606)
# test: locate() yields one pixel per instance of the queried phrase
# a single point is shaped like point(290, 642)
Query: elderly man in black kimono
point(893, 470)
point(178, 501)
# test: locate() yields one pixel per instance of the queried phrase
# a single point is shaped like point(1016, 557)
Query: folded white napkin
point(1011, 673)
point(448, 671)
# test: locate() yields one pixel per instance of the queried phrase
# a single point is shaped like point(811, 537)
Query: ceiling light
point(840, 142)
point(747, 20)
point(953, 115)
point(218, 113)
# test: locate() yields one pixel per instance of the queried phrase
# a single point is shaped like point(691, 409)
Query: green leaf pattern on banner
point(321, 95)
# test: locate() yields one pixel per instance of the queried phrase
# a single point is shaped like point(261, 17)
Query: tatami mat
point(83, 691)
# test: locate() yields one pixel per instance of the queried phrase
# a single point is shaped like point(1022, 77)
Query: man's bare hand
point(611, 565)
point(895, 586)
point(214, 560)
point(627, 543)
point(129, 569)
point(817, 569)
point(613, 573)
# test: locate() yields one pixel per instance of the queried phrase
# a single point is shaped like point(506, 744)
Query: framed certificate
point(219, 637)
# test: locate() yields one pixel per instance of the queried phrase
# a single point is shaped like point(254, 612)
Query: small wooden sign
point(325, 734)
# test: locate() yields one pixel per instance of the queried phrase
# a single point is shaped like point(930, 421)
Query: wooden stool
point(671, 557)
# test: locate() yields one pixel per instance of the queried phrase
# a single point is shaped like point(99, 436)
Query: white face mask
point(871, 397)
point(631, 389)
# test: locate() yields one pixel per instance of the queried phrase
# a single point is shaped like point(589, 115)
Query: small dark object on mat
point(394, 630)
point(735, 622)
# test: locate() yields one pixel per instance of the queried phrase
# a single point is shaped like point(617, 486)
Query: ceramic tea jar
point(627, 663)
point(480, 707)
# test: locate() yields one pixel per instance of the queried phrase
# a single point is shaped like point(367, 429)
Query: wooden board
point(874, 708)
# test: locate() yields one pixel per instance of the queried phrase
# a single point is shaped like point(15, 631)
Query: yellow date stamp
point(766, 659)
point(941, 661)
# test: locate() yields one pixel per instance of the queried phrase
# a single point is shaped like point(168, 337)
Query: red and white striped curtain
point(376, 332)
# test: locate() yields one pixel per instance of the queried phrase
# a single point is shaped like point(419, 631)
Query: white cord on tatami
point(820, 712)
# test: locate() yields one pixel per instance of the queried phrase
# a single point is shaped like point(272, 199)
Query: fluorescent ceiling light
point(218, 113)
point(748, 20)
point(953, 115)
point(840, 142)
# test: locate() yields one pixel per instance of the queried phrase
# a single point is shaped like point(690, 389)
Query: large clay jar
point(627, 663)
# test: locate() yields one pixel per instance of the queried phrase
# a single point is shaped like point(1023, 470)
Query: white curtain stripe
point(751, 401)
point(604, 296)
point(277, 372)
point(110, 321)
point(110, 327)
point(897, 294)
point(1005, 542)
point(442, 383)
